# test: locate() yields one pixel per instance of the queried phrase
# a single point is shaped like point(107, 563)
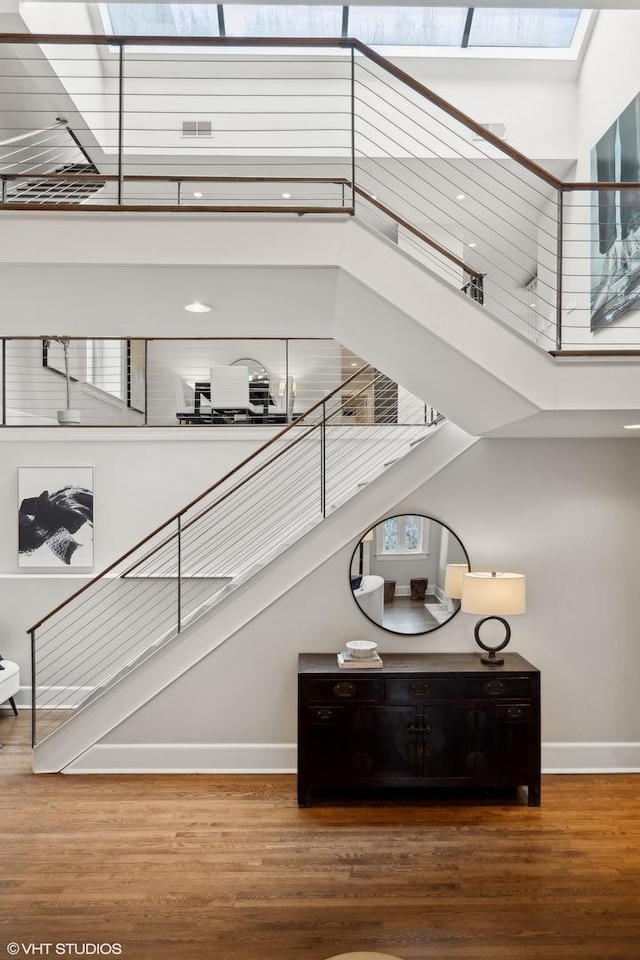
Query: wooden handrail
point(171, 208)
point(192, 503)
point(418, 233)
point(115, 40)
point(594, 353)
point(170, 178)
point(601, 185)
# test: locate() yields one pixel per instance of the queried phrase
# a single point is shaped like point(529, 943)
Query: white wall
point(539, 114)
point(608, 81)
point(91, 298)
point(141, 478)
point(564, 512)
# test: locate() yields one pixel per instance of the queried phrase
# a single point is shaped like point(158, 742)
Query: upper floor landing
point(131, 276)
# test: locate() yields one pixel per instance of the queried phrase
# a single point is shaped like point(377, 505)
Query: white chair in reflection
point(230, 391)
point(185, 401)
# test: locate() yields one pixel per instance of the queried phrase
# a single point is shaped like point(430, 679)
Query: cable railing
point(176, 382)
point(204, 552)
point(46, 165)
point(294, 126)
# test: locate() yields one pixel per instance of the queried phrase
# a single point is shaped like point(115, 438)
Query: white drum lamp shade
point(454, 579)
point(493, 596)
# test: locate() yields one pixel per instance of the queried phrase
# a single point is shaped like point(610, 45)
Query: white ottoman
point(9, 682)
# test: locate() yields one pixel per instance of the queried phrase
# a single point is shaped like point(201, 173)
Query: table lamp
point(495, 595)
point(453, 581)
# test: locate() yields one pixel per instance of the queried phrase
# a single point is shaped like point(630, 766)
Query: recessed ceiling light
point(197, 195)
point(472, 244)
point(197, 307)
point(353, 364)
point(286, 196)
point(461, 196)
point(532, 304)
point(632, 426)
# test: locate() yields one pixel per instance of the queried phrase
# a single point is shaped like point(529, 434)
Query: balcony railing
point(214, 382)
point(326, 127)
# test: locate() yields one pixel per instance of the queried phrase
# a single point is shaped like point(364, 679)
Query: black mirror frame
point(399, 633)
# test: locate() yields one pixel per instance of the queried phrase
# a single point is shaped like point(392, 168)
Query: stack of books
point(348, 662)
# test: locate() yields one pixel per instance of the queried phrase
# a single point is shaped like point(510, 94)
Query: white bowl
point(361, 649)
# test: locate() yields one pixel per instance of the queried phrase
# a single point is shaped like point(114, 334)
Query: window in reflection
point(402, 535)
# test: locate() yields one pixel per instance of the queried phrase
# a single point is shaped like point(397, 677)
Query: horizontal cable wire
point(398, 92)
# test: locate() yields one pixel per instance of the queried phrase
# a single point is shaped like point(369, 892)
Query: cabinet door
point(498, 742)
point(478, 731)
point(514, 742)
point(418, 742)
point(339, 744)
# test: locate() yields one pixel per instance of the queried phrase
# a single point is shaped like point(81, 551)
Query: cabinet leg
point(534, 794)
point(303, 797)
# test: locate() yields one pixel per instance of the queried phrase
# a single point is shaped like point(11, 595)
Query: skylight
point(164, 19)
point(418, 26)
point(280, 20)
point(461, 27)
point(522, 27)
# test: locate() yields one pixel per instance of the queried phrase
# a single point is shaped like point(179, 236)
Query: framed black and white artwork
point(615, 280)
point(55, 517)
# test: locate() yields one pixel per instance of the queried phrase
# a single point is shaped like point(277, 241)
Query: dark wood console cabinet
point(428, 720)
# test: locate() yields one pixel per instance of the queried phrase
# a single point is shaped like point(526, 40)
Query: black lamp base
point(491, 660)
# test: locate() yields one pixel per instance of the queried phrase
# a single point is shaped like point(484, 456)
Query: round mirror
point(259, 392)
point(398, 573)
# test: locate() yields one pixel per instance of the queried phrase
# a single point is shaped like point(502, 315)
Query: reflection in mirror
point(398, 573)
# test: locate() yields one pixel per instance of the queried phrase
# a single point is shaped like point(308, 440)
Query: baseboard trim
point(256, 758)
point(591, 757)
point(187, 758)
point(74, 697)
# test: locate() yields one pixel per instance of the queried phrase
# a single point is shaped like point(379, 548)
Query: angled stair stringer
point(94, 721)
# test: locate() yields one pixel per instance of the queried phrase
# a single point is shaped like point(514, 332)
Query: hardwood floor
point(405, 615)
point(228, 868)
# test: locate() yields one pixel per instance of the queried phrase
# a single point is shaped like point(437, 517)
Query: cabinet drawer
point(410, 691)
point(339, 690)
point(325, 715)
point(497, 688)
point(513, 712)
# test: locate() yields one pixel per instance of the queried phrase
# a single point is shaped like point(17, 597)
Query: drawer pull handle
point(324, 714)
point(494, 687)
point(419, 689)
point(344, 689)
point(514, 712)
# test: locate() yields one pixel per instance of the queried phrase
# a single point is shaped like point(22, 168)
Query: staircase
point(203, 566)
point(47, 166)
point(72, 745)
